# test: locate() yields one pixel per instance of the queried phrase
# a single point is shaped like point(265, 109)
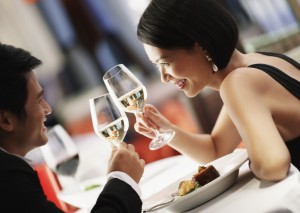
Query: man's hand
point(126, 159)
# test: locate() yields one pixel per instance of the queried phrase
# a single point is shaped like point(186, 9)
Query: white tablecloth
point(248, 194)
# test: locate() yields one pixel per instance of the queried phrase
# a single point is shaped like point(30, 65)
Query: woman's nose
point(164, 76)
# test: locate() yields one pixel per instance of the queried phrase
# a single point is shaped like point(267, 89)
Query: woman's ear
point(6, 120)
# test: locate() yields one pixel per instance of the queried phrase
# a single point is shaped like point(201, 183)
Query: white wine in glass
point(110, 123)
point(129, 93)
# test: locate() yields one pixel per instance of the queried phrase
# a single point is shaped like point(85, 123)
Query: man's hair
point(15, 64)
point(179, 24)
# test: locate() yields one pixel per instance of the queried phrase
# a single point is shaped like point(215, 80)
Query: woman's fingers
point(146, 121)
point(141, 128)
point(150, 107)
point(153, 115)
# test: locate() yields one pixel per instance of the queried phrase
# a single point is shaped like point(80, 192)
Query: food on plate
point(202, 177)
point(187, 186)
point(206, 174)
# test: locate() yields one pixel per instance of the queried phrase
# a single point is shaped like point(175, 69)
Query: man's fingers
point(123, 145)
point(113, 151)
point(142, 162)
point(137, 155)
point(130, 147)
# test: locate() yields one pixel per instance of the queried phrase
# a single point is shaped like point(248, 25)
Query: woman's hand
point(150, 120)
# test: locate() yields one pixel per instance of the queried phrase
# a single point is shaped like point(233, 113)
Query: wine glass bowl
point(60, 153)
point(109, 122)
point(130, 93)
point(126, 90)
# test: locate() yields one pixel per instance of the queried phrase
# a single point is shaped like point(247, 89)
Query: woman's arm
point(202, 148)
point(246, 96)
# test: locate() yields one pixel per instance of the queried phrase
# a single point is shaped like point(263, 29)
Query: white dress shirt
point(126, 178)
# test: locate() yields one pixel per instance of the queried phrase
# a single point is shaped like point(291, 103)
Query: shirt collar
point(21, 157)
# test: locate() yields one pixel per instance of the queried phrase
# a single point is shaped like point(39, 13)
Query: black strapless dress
point(293, 86)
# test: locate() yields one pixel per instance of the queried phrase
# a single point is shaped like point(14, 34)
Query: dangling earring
point(214, 66)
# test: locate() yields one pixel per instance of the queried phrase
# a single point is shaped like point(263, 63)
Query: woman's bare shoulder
point(244, 81)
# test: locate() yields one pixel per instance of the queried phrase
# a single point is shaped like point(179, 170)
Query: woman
point(193, 43)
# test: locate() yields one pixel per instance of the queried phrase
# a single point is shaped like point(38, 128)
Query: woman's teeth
point(180, 84)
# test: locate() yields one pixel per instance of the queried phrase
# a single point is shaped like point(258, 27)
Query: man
point(23, 112)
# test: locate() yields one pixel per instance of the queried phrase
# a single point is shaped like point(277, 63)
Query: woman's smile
point(180, 84)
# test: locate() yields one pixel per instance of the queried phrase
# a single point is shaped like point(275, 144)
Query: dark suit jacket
point(21, 191)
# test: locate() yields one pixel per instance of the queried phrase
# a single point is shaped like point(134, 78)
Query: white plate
point(228, 167)
point(78, 197)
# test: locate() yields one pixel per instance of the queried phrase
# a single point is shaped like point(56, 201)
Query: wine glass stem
point(157, 134)
point(81, 189)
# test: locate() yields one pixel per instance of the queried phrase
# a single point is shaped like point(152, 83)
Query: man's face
point(31, 132)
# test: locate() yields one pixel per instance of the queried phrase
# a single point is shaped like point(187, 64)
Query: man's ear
point(6, 120)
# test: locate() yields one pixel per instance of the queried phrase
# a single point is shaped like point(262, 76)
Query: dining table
point(246, 194)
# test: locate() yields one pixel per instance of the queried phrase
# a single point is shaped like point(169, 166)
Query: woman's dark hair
point(179, 24)
point(15, 64)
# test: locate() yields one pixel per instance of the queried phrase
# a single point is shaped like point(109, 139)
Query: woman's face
point(188, 70)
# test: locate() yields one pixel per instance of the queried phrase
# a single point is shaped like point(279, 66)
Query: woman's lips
point(180, 84)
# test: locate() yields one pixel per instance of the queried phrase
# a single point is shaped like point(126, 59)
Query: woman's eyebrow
point(161, 58)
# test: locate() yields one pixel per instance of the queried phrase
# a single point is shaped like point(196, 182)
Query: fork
point(161, 203)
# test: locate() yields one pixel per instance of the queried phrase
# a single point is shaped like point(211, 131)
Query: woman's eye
point(161, 65)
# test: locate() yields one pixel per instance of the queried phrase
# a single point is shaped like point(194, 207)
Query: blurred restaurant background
point(78, 40)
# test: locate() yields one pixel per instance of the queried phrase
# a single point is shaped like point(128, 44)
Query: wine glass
point(130, 94)
point(110, 123)
point(60, 153)
point(62, 157)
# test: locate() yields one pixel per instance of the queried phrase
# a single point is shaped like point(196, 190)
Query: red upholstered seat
point(51, 187)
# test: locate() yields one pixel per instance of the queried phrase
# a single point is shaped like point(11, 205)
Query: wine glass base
point(161, 140)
